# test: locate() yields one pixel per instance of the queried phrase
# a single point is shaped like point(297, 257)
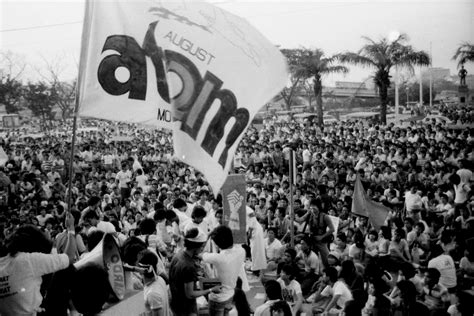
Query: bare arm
point(157, 312)
point(71, 247)
point(331, 304)
point(191, 293)
point(298, 304)
point(330, 226)
point(302, 218)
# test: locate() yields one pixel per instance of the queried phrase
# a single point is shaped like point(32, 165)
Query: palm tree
point(464, 53)
point(313, 64)
point(383, 55)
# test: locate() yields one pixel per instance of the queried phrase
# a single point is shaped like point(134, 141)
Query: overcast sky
point(51, 30)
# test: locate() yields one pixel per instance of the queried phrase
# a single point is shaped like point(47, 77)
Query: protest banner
point(362, 205)
point(234, 202)
point(192, 67)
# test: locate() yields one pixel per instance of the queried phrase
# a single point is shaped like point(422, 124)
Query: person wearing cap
point(184, 273)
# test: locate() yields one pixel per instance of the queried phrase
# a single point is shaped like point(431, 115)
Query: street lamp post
point(393, 37)
point(408, 95)
point(397, 99)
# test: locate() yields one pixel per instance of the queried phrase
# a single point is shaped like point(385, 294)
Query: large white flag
point(191, 66)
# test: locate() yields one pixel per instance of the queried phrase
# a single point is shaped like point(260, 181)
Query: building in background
point(437, 73)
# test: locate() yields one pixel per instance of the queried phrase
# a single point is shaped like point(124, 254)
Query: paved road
point(256, 295)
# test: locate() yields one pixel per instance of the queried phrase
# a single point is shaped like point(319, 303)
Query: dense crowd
point(169, 224)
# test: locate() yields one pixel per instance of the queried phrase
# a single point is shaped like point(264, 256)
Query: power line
point(223, 2)
point(39, 27)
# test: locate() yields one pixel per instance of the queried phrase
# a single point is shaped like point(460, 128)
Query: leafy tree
point(64, 91)
point(288, 93)
point(464, 53)
point(40, 99)
point(11, 88)
point(314, 65)
point(11, 91)
point(383, 55)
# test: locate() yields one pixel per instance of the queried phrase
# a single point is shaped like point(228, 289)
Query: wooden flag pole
point(71, 158)
point(292, 211)
point(84, 46)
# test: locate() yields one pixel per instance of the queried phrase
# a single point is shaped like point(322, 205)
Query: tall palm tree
point(383, 55)
point(464, 53)
point(314, 65)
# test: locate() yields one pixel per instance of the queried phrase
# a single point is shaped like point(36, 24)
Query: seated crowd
point(170, 226)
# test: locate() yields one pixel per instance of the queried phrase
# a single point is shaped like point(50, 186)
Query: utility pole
point(431, 77)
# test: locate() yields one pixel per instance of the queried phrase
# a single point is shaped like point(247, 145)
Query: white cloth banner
point(192, 66)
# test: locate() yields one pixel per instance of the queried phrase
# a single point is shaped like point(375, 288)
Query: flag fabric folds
point(3, 157)
point(362, 205)
point(191, 67)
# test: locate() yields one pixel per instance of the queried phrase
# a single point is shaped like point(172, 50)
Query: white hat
point(194, 234)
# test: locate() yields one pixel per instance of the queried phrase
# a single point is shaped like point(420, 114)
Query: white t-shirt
point(228, 264)
point(156, 296)
point(124, 178)
point(20, 280)
point(184, 220)
point(445, 265)
point(291, 291)
point(310, 262)
point(339, 288)
point(106, 227)
point(412, 201)
point(273, 250)
point(306, 155)
point(461, 191)
point(264, 309)
point(141, 180)
point(108, 159)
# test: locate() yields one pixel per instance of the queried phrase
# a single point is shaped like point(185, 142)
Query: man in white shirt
point(142, 180)
point(108, 160)
point(228, 264)
point(311, 264)
point(91, 218)
point(291, 289)
point(337, 290)
point(465, 174)
point(273, 248)
point(155, 291)
point(123, 179)
point(306, 156)
point(413, 201)
point(444, 207)
point(180, 206)
point(445, 265)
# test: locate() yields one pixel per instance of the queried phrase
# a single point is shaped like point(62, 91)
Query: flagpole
point(71, 158)
point(84, 47)
point(292, 211)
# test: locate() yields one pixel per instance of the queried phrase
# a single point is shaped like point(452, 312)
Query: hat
point(194, 234)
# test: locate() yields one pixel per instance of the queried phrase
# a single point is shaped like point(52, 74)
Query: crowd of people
point(170, 225)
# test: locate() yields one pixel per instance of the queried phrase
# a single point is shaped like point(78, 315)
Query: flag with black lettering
point(192, 66)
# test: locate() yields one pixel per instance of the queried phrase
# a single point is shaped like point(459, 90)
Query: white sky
point(334, 26)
